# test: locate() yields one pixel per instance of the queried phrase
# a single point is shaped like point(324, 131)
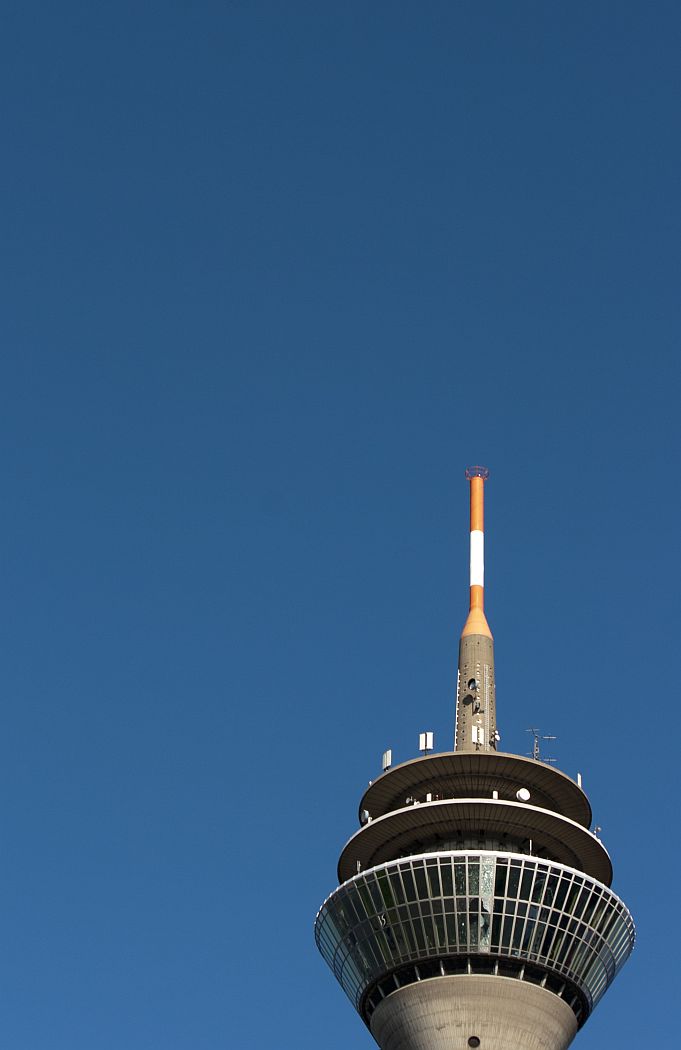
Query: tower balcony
point(499, 915)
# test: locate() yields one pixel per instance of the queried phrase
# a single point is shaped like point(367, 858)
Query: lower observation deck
point(485, 912)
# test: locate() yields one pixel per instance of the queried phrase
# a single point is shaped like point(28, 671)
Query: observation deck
point(438, 915)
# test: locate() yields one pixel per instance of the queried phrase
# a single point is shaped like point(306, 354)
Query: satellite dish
point(523, 795)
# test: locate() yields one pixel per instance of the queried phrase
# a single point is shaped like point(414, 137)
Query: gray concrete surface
point(445, 1012)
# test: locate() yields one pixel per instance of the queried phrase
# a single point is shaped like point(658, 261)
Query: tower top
point(477, 472)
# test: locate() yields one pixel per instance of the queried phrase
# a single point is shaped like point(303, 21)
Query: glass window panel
point(421, 884)
point(518, 930)
point(617, 937)
point(462, 928)
point(386, 889)
point(551, 887)
point(409, 887)
point(539, 884)
point(529, 928)
point(350, 974)
point(354, 902)
point(561, 893)
point(447, 880)
point(473, 878)
point(500, 879)
point(373, 958)
point(365, 897)
point(391, 941)
point(553, 948)
point(410, 939)
point(339, 919)
point(381, 948)
point(582, 901)
point(434, 879)
point(590, 906)
point(429, 930)
point(575, 956)
point(396, 884)
point(460, 878)
point(376, 896)
point(526, 882)
point(571, 896)
point(401, 942)
point(513, 881)
point(534, 948)
point(599, 912)
point(544, 938)
point(582, 930)
point(609, 922)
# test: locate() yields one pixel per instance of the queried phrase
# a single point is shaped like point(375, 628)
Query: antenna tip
point(477, 472)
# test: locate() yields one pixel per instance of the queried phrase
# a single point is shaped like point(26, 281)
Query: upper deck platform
point(459, 774)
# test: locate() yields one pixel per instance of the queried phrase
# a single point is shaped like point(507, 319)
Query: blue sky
point(272, 275)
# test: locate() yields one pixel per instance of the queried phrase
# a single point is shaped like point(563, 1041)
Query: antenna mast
point(476, 728)
point(535, 753)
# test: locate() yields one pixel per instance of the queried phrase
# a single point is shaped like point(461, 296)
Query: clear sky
point(272, 275)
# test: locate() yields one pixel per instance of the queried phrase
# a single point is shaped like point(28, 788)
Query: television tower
point(474, 907)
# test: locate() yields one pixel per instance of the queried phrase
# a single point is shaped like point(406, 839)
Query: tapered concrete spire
point(476, 724)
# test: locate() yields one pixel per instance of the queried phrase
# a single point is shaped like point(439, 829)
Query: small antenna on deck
point(536, 753)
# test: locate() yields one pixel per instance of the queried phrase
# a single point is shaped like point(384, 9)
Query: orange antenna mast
point(476, 622)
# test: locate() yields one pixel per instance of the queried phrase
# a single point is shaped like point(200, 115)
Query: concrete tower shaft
point(500, 1014)
point(476, 722)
